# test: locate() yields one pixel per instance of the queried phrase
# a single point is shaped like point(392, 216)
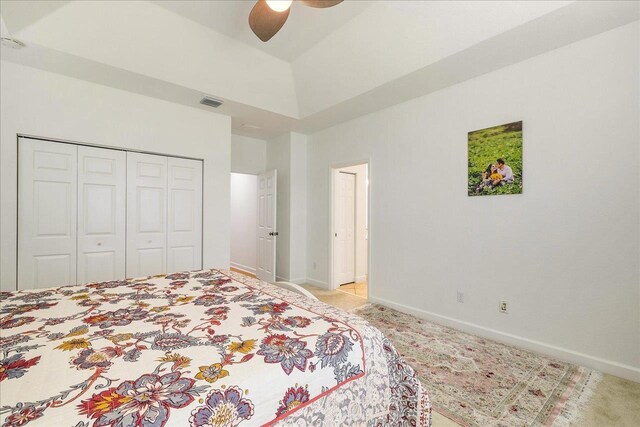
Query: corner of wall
point(287, 154)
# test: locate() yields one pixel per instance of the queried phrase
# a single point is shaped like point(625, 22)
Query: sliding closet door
point(185, 215)
point(146, 214)
point(47, 205)
point(101, 214)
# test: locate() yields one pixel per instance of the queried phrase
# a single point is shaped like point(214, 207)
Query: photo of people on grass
point(495, 160)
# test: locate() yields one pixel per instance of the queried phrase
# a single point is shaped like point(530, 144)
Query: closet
point(88, 214)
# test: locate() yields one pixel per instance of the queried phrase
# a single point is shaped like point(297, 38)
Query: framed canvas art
point(495, 160)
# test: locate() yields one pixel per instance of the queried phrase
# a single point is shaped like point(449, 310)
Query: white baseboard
point(318, 283)
point(360, 279)
point(296, 281)
point(608, 366)
point(246, 268)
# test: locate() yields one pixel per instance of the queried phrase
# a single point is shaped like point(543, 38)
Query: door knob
point(99, 243)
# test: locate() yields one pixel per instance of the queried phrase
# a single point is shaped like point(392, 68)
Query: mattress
point(204, 348)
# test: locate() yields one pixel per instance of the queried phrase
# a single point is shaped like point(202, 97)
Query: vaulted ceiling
point(324, 67)
point(304, 28)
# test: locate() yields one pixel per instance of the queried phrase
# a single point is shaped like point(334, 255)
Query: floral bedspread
point(206, 348)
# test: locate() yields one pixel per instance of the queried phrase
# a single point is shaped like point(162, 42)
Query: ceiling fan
point(268, 16)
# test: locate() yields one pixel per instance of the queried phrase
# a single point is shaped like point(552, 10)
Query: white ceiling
point(323, 68)
point(28, 12)
point(304, 28)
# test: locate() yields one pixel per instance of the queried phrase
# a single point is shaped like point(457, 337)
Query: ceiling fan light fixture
point(279, 5)
point(268, 16)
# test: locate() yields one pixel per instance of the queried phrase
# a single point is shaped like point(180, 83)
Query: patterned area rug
point(479, 382)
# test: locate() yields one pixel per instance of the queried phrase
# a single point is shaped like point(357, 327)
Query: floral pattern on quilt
point(203, 348)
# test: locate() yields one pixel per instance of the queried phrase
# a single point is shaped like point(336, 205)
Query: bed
point(205, 348)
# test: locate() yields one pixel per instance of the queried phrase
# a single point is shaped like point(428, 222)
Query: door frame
point(243, 267)
point(109, 147)
point(333, 285)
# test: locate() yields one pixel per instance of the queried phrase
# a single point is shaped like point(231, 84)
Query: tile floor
point(246, 273)
point(357, 289)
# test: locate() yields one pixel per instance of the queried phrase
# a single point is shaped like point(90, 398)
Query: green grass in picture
point(486, 146)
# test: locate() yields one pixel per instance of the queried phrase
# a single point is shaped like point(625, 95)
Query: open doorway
point(350, 229)
point(244, 216)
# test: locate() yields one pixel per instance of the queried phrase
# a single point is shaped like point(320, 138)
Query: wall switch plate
point(503, 307)
point(460, 297)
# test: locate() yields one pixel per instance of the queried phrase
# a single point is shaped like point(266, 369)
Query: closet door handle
point(273, 233)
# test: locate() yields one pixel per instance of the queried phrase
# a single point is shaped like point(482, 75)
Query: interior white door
point(266, 235)
point(146, 214)
point(184, 240)
point(102, 179)
point(47, 208)
point(344, 246)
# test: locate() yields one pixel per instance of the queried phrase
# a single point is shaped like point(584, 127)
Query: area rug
point(479, 382)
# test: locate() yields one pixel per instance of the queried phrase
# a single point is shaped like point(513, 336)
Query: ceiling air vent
point(211, 102)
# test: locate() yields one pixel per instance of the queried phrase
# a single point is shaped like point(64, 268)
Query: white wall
point(39, 103)
point(298, 207)
point(244, 217)
point(568, 261)
point(361, 220)
point(288, 154)
point(248, 155)
point(279, 158)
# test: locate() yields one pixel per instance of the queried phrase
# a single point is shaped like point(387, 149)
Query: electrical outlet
point(460, 297)
point(503, 307)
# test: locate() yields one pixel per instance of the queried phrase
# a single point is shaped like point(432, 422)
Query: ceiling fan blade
point(266, 22)
point(320, 3)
